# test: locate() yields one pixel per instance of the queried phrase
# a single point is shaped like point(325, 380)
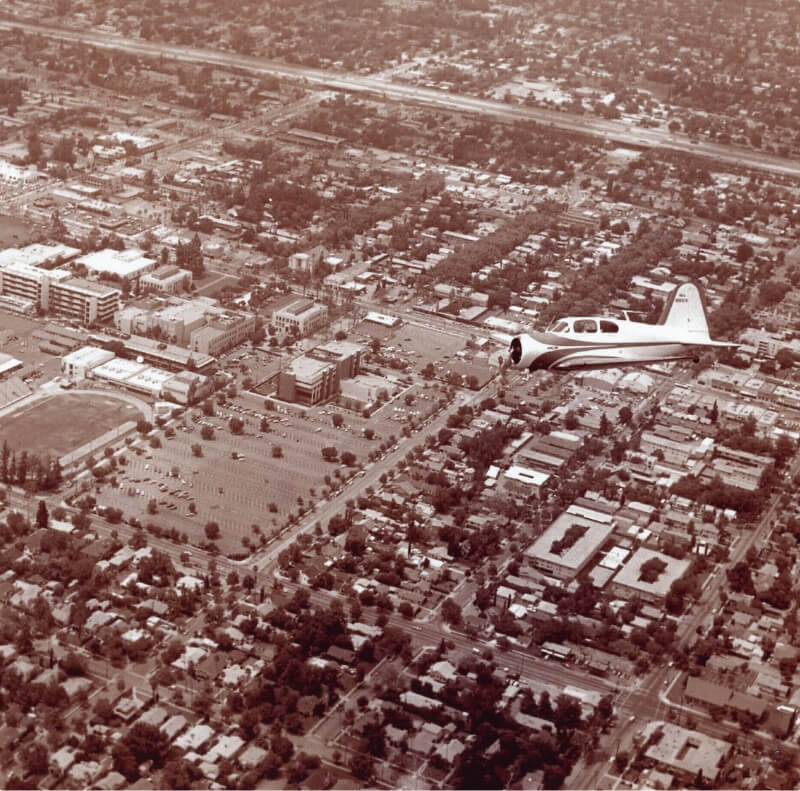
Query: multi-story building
point(567, 546)
point(57, 291)
point(308, 381)
point(167, 280)
point(344, 355)
point(29, 282)
point(84, 301)
point(652, 587)
point(301, 317)
point(223, 331)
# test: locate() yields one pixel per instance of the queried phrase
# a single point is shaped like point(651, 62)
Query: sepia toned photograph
point(399, 394)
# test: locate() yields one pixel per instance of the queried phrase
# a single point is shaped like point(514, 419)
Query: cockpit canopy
point(583, 326)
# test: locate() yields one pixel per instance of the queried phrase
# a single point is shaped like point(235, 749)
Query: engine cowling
point(523, 351)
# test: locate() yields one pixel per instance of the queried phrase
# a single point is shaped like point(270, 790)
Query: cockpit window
point(559, 326)
point(585, 325)
point(608, 326)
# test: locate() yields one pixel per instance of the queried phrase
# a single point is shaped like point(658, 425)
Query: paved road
point(618, 131)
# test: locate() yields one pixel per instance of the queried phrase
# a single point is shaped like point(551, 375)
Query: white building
point(127, 264)
point(167, 280)
point(301, 317)
point(57, 291)
point(76, 365)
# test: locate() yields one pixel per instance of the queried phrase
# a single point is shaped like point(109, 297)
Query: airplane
point(593, 342)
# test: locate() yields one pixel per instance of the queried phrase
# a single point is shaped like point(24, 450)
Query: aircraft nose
point(515, 350)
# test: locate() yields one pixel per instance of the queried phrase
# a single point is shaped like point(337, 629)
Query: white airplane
point(589, 342)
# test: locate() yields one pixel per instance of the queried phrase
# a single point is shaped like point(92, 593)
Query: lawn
point(14, 232)
point(64, 422)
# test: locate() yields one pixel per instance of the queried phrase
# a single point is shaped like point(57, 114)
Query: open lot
point(61, 423)
point(14, 232)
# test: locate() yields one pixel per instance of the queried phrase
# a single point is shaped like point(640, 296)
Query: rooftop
point(629, 574)
point(688, 751)
point(123, 263)
point(573, 556)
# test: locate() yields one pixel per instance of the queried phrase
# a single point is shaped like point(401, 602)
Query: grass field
point(59, 424)
point(13, 232)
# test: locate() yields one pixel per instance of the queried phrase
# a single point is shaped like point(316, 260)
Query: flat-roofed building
point(188, 387)
point(683, 752)
point(177, 321)
point(76, 365)
point(743, 476)
point(674, 451)
point(28, 282)
point(383, 319)
point(42, 256)
point(301, 317)
point(224, 330)
point(308, 381)
point(651, 583)
point(84, 300)
point(165, 355)
point(567, 546)
point(346, 356)
point(167, 279)
point(524, 480)
point(128, 264)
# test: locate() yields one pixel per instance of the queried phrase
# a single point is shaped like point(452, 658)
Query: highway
point(617, 131)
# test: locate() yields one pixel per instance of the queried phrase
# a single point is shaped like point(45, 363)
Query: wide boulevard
point(623, 132)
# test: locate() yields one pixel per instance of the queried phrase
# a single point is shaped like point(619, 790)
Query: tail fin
point(685, 311)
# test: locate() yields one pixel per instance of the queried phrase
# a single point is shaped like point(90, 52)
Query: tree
point(206, 432)
point(236, 425)
point(197, 449)
point(147, 743)
point(625, 415)
point(42, 515)
point(337, 420)
point(212, 531)
point(785, 358)
point(329, 453)
point(277, 452)
point(36, 759)
point(362, 766)
point(348, 458)
point(35, 150)
point(605, 425)
point(64, 151)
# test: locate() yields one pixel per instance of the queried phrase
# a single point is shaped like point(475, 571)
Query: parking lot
point(237, 477)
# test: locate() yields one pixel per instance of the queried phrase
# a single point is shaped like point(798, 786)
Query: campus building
point(346, 356)
point(224, 329)
point(57, 291)
point(84, 301)
point(301, 317)
point(94, 362)
point(78, 364)
point(308, 381)
point(125, 264)
point(167, 280)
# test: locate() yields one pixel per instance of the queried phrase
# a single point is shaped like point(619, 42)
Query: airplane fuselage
point(622, 343)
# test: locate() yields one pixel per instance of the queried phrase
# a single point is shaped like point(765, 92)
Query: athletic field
point(61, 423)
